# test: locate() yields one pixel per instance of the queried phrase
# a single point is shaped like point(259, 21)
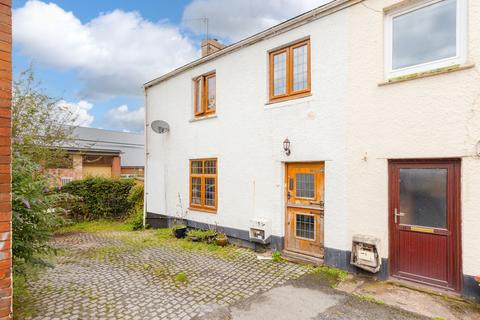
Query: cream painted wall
point(435, 117)
point(349, 122)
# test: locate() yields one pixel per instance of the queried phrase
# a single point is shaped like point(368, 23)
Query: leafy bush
point(136, 214)
point(35, 211)
point(101, 198)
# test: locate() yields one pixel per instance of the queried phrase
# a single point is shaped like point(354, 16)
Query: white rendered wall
point(349, 122)
point(247, 134)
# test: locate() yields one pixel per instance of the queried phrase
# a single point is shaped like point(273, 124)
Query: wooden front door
point(304, 208)
point(425, 222)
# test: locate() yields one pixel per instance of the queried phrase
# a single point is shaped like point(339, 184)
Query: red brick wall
point(116, 170)
point(132, 170)
point(5, 159)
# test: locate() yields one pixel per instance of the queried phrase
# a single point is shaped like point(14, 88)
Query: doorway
point(304, 191)
point(424, 210)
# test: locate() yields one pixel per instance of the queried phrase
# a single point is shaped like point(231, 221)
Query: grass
point(139, 240)
point(23, 273)
point(202, 235)
point(22, 299)
point(96, 226)
point(334, 276)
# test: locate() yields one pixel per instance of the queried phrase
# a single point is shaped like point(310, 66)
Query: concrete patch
point(417, 301)
point(286, 303)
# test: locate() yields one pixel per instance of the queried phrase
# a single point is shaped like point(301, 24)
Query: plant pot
point(180, 232)
point(222, 242)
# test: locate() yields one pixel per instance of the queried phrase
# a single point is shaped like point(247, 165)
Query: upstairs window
point(290, 72)
point(205, 97)
point(203, 184)
point(425, 37)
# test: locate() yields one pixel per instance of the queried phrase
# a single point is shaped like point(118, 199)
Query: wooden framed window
point(205, 96)
point(290, 72)
point(203, 184)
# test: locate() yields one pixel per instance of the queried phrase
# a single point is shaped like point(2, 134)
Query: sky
point(95, 55)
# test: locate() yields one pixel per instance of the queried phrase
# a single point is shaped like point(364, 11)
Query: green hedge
point(100, 198)
point(136, 213)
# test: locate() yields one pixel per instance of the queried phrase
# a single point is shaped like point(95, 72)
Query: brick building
point(5, 159)
point(98, 152)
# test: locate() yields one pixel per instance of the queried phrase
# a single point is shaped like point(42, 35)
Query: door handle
point(396, 215)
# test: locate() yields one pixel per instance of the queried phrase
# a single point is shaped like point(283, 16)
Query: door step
point(302, 258)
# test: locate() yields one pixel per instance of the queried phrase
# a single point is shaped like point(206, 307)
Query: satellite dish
point(160, 126)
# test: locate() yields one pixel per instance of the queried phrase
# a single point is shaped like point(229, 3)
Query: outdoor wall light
point(286, 146)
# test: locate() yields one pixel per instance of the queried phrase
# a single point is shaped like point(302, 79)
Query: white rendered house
point(358, 120)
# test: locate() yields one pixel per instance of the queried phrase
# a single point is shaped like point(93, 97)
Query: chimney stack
point(210, 46)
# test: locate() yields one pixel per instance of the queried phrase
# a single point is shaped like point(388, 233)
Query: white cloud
point(121, 118)
point(114, 53)
point(76, 113)
point(237, 19)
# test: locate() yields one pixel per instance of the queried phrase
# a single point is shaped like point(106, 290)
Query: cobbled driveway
point(147, 275)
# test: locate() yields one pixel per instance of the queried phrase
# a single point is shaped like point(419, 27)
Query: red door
point(424, 220)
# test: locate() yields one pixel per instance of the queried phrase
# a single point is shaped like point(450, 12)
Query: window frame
point(203, 94)
point(203, 176)
point(315, 217)
point(461, 41)
point(289, 92)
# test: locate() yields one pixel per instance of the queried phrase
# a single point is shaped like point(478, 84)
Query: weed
point(92, 297)
point(368, 298)
point(180, 277)
point(438, 318)
point(277, 256)
point(160, 272)
point(333, 275)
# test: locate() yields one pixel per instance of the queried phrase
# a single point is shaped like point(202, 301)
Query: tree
point(39, 124)
point(39, 128)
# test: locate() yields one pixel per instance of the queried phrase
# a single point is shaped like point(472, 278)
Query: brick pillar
point(77, 160)
point(116, 169)
point(5, 159)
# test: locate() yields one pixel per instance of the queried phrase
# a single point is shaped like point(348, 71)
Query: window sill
point(212, 116)
point(212, 211)
point(426, 74)
point(289, 98)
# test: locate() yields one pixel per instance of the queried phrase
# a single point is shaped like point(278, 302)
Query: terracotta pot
point(222, 242)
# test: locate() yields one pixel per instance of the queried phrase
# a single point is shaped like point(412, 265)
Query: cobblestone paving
point(126, 275)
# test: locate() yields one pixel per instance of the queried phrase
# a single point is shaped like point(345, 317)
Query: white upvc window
point(426, 36)
point(65, 180)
